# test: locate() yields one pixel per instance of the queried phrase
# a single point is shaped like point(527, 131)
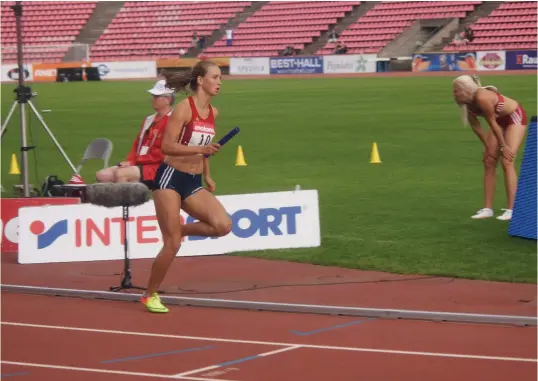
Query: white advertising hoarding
point(352, 63)
point(492, 60)
point(85, 232)
point(10, 73)
point(126, 69)
point(249, 66)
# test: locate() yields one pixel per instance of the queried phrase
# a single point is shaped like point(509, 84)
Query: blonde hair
point(471, 83)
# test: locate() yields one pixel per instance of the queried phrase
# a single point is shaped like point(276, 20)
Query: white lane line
point(228, 363)
point(107, 371)
point(216, 339)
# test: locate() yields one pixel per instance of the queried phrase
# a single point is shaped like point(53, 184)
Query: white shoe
point(483, 213)
point(506, 216)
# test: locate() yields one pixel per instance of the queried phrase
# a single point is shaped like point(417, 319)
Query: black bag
point(48, 189)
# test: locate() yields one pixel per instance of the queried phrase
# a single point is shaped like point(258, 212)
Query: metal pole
point(24, 147)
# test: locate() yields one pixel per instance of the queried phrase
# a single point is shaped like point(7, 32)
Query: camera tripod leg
point(40, 118)
point(11, 111)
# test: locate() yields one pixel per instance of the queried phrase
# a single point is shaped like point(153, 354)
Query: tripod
point(23, 97)
point(126, 281)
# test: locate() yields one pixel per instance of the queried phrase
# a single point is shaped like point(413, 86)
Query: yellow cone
point(240, 160)
point(14, 168)
point(374, 157)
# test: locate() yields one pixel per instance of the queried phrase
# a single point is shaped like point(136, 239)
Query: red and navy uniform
point(197, 132)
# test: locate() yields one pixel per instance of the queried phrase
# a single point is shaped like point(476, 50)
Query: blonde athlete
point(507, 122)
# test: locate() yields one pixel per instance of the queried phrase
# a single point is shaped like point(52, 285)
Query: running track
point(54, 338)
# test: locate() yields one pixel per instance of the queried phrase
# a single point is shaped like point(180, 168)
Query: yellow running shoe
point(153, 303)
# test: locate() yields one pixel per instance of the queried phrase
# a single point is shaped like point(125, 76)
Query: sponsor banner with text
point(350, 63)
point(9, 213)
point(296, 65)
point(126, 69)
point(521, 60)
point(492, 60)
point(45, 72)
point(88, 232)
point(444, 62)
point(249, 66)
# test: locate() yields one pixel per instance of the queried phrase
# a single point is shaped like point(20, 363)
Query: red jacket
point(146, 148)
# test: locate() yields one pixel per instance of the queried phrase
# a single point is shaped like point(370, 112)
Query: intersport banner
point(352, 63)
point(249, 66)
point(521, 60)
point(86, 232)
point(126, 69)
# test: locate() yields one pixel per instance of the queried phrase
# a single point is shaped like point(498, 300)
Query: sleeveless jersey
point(499, 106)
point(198, 132)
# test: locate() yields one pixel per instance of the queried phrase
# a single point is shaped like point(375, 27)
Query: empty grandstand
point(137, 30)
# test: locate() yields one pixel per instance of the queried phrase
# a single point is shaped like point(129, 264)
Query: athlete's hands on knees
point(211, 185)
point(210, 149)
point(507, 153)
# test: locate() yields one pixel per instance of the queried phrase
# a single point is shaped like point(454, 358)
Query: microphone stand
point(126, 281)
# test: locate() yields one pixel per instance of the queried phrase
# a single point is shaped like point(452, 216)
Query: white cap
point(160, 88)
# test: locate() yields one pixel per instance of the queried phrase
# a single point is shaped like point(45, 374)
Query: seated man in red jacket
point(145, 156)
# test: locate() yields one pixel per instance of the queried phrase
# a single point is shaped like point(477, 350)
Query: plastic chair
point(97, 149)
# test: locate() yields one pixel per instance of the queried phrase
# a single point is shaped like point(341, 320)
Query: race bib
point(201, 135)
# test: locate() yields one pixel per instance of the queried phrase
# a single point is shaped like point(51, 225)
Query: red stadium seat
point(385, 21)
point(511, 26)
point(45, 26)
point(162, 28)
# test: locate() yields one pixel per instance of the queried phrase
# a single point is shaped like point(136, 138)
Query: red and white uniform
point(519, 116)
point(198, 132)
point(146, 149)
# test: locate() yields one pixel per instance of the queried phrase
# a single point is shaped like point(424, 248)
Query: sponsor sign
point(249, 66)
point(296, 65)
point(45, 72)
point(9, 215)
point(444, 62)
point(353, 63)
point(521, 60)
point(10, 73)
point(88, 232)
point(126, 69)
point(493, 60)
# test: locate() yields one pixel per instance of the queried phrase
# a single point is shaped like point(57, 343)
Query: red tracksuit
point(146, 150)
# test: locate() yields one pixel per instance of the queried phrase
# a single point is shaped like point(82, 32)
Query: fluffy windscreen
point(117, 194)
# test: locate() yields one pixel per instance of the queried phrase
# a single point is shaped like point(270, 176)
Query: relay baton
point(230, 134)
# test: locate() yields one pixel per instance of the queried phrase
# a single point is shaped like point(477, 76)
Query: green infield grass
point(409, 215)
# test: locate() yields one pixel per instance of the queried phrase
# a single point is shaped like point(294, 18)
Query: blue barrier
point(523, 223)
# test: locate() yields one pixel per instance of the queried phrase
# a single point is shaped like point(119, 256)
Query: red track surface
point(39, 330)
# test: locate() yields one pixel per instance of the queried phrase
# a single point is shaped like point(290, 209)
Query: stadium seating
point(48, 29)
point(160, 29)
point(280, 24)
point(384, 22)
point(511, 26)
